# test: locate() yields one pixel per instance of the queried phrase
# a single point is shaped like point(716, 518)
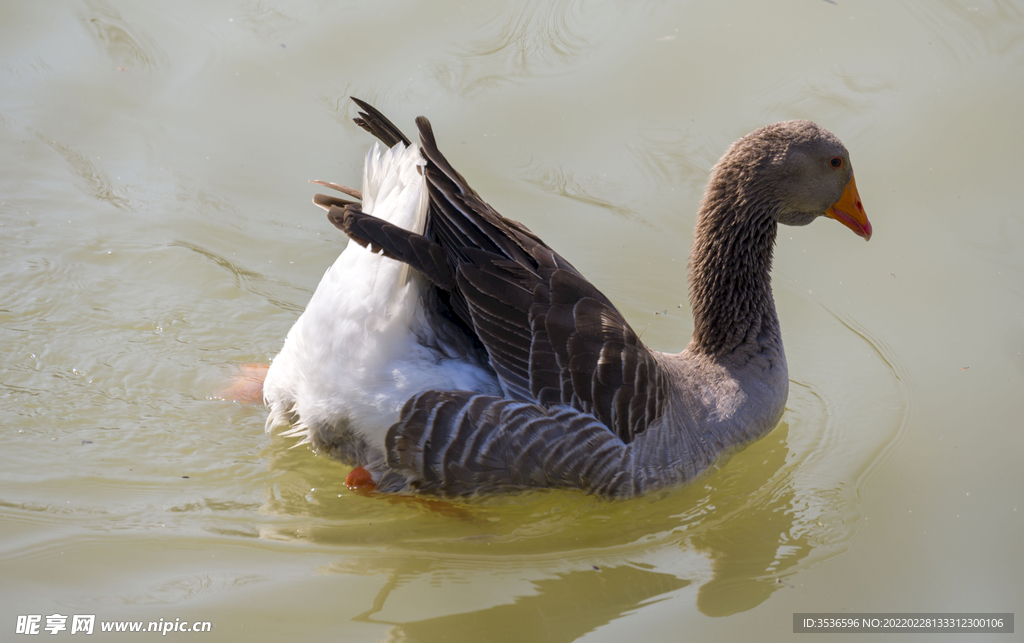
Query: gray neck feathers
point(730, 264)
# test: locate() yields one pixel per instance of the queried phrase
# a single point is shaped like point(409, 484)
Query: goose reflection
point(720, 545)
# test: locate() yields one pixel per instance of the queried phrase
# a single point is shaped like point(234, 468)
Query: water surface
point(157, 232)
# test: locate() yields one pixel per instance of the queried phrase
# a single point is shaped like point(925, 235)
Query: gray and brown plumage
point(567, 395)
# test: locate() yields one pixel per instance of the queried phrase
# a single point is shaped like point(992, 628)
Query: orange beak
point(850, 211)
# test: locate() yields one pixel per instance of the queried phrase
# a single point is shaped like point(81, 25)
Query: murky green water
point(156, 232)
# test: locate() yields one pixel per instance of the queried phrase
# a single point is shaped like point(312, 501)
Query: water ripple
point(126, 46)
point(516, 42)
point(98, 184)
point(591, 190)
point(983, 29)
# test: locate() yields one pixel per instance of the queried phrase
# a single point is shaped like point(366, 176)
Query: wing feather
point(496, 444)
point(579, 383)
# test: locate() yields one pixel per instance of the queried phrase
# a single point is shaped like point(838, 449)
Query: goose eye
point(837, 162)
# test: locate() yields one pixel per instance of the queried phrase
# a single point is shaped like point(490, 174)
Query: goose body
point(450, 350)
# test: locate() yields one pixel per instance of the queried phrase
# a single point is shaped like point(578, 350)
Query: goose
point(450, 351)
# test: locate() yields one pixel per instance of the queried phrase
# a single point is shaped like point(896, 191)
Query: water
point(157, 233)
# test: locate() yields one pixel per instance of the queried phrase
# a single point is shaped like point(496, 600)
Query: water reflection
point(754, 539)
point(525, 558)
point(561, 608)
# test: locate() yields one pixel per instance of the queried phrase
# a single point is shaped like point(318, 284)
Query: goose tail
point(357, 322)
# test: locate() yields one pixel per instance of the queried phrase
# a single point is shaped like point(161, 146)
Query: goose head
point(787, 173)
point(801, 171)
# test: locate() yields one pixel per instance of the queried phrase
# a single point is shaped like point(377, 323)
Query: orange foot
point(246, 385)
point(359, 479)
